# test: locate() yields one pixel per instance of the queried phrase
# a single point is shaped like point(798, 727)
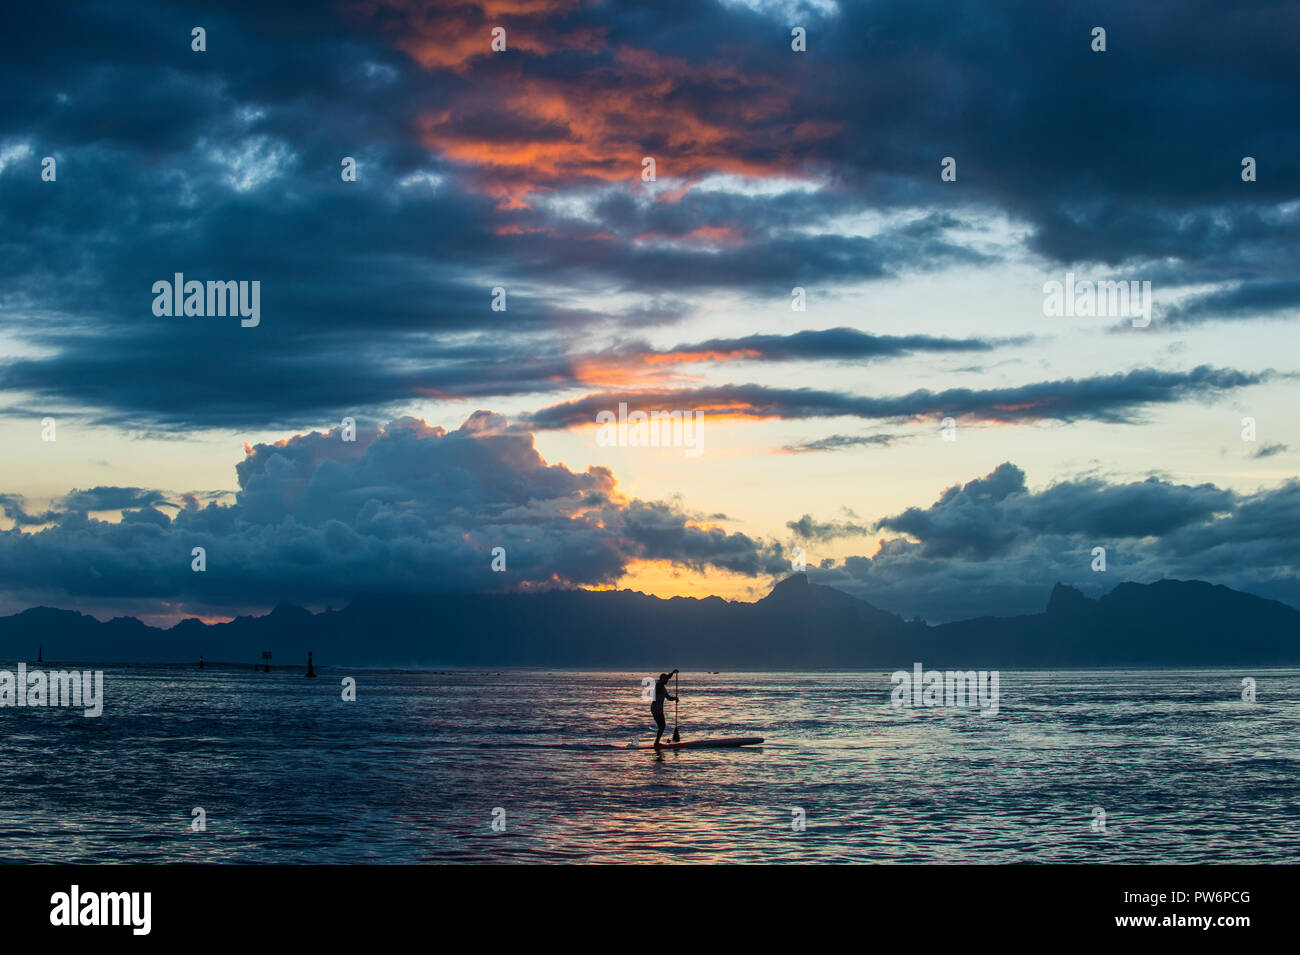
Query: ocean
point(1123, 766)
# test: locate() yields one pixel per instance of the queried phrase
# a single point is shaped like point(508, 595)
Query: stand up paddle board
point(702, 743)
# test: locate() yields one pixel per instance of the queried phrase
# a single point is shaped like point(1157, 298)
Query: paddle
point(676, 692)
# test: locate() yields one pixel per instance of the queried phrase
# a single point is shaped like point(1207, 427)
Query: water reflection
point(413, 771)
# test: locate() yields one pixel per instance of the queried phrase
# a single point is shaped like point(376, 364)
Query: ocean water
point(288, 772)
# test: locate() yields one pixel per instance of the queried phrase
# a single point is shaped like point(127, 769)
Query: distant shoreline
point(497, 670)
point(799, 627)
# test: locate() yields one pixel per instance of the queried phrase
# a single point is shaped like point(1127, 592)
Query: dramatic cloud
point(993, 546)
point(1260, 299)
point(638, 363)
point(982, 517)
point(522, 169)
point(1114, 398)
point(410, 508)
point(413, 508)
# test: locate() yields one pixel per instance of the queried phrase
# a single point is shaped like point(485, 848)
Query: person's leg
point(661, 723)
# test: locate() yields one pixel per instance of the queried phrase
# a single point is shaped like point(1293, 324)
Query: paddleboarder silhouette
point(657, 707)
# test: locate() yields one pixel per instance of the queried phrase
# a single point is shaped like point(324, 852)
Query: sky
point(839, 273)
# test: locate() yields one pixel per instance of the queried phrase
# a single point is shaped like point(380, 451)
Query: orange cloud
point(691, 357)
point(631, 368)
point(451, 36)
point(517, 130)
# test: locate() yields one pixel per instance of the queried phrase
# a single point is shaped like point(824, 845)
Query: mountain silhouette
point(798, 625)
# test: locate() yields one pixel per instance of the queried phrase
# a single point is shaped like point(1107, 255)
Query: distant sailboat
point(39, 651)
point(311, 670)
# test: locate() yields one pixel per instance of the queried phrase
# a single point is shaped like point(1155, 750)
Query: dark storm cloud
point(1119, 157)
point(761, 258)
point(1242, 300)
point(414, 508)
point(225, 165)
point(14, 507)
point(985, 516)
point(993, 546)
point(411, 509)
point(1044, 133)
point(1113, 398)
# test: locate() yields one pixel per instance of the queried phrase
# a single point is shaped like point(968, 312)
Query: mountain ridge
point(798, 624)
